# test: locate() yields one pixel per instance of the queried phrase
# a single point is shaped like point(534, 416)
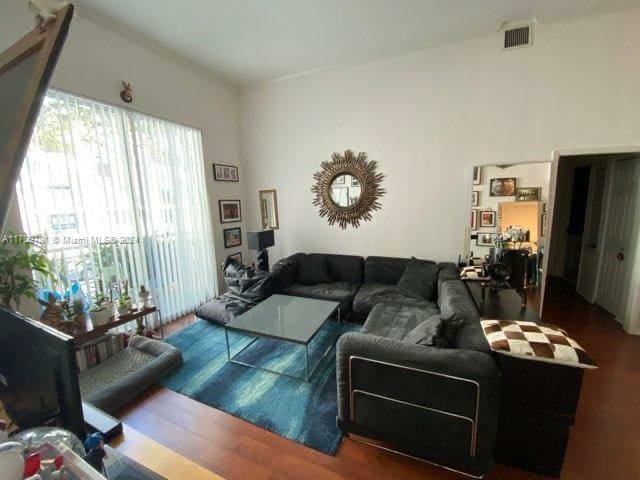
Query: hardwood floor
point(604, 443)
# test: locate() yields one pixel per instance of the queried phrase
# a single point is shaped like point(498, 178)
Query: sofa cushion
point(371, 294)
point(419, 280)
point(455, 299)
point(393, 320)
point(313, 269)
point(426, 332)
point(342, 292)
point(346, 268)
point(384, 270)
point(223, 309)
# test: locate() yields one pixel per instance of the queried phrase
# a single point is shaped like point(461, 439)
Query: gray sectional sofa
point(437, 403)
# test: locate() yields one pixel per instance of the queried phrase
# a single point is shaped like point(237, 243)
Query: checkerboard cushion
point(533, 341)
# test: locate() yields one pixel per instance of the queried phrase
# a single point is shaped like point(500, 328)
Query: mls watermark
point(69, 240)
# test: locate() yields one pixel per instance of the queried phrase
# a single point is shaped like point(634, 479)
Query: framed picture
point(232, 237)
point(225, 173)
point(477, 175)
point(487, 218)
point(544, 208)
point(486, 239)
point(528, 194)
point(473, 219)
point(543, 225)
point(502, 187)
point(229, 211)
point(475, 198)
point(236, 256)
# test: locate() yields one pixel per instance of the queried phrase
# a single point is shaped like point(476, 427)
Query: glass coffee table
point(281, 317)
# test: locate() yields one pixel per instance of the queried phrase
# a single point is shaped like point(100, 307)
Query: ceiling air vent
point(518, 37)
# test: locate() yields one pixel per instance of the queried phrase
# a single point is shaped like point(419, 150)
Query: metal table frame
point(256, 336)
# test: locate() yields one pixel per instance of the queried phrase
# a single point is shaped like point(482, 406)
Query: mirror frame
point(370, 184)
point(275, 209)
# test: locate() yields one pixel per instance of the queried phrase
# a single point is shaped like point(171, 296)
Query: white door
point(620, 233)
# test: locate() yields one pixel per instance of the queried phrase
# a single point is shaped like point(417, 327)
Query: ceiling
point(248, 42)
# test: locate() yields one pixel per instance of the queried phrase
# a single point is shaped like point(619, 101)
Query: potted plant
point(19, 258)
point(124, 301)
point(101, 310)
point(80, 317)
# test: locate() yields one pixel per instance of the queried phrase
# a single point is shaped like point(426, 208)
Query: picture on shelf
point(477, 175)
point(236, 256)
point(487, 218)
point(230, 211)
point(502, 187)
point(225, 173)
point(473, 219)
point(528, 194)
point(543, 225)
point(475, 198)
point(486, 239)
point(232, 237)
point(544, 208)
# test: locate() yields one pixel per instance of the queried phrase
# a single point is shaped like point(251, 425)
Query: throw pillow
point(313, 269)
point(426, 332)
point(533, 341)
point(419, 280)
point(450, 326)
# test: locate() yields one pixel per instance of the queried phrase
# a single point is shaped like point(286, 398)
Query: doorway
point(593, 245)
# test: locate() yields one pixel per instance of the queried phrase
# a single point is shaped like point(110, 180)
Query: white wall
point(95, 61)
point(428, 117)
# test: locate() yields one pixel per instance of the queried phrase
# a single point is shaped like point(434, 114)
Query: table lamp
point(260, 241)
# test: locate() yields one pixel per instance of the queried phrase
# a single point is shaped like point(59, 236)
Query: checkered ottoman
point(541, 342)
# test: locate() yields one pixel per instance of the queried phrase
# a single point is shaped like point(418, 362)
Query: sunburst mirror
point(347, 189)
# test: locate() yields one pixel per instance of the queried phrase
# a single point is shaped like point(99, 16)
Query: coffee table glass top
point(295, 319)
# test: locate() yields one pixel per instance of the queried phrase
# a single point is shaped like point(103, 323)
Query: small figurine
point(45, 11)
point(94, 446)
point(144, 296)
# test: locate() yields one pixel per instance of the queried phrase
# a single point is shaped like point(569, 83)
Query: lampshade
point(260, 240)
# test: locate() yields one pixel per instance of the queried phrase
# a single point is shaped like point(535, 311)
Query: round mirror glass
point(345, 190)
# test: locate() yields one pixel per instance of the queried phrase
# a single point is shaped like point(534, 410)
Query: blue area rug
point(300, 411)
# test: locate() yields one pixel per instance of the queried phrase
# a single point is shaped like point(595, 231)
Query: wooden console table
point(91, 332)
point(501, 304)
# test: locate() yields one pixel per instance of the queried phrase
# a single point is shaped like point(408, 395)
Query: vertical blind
point(121, 196)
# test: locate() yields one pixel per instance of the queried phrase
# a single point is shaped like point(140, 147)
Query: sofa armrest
point(454, 384)
point(285, 271)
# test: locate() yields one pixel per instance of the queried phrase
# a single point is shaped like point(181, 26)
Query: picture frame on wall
point(543, 225)
point(487, 218)
point(232, 237)
point(477, 175)
point(473, 219)
point(236, 256)
point(528, 194)
point(486, 239)
point(225, 173)
point(502, 187)
point(475, 198)
point(230, 211)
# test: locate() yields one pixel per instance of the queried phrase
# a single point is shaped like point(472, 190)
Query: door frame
point(631, 315)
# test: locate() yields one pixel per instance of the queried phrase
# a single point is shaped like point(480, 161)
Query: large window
point(121, 196)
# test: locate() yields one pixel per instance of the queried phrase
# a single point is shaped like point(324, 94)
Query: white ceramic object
point(101, 317)
point(11, 461)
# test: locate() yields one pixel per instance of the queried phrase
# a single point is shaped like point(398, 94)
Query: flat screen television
point(38, 374)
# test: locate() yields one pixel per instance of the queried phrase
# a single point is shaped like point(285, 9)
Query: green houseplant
point(20, 256)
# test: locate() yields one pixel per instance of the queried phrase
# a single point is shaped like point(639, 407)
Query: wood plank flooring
point(604, 444)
